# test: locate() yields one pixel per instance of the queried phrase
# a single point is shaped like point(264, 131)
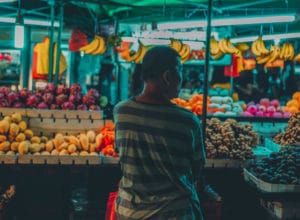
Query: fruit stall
point(57, 93)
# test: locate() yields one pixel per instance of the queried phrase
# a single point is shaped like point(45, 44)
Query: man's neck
point(152, 94)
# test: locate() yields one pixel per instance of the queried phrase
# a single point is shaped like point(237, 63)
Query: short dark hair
point(157, 60)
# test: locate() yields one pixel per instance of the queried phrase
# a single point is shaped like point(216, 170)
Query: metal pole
point(26, 56)
point(206, 71)
point(50, 68)
point(58, 49)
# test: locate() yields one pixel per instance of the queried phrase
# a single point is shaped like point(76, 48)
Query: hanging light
point(19, 30)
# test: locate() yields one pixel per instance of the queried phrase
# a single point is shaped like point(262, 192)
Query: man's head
point(161, 66)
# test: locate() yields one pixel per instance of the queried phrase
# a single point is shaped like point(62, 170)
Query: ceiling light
point(227, 21)
point(266, 37)
point(29, 21)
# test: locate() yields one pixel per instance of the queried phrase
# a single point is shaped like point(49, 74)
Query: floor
point(80, 193)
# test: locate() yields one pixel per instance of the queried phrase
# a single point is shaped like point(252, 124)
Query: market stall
point(58, 91)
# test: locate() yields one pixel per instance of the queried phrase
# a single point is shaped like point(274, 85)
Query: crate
point(282, 210)
point(269, 187)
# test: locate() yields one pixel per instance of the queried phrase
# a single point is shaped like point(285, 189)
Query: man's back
point(158, 144)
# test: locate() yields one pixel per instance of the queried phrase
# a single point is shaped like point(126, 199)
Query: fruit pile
point(194, 104)
point(229, 139)
point(51, 97)
point(293, 105)
point(266, 108)
point(291, 135)
point(16, 137)
point(282, 167)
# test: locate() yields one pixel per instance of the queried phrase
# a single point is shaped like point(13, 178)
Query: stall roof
point(84, 13)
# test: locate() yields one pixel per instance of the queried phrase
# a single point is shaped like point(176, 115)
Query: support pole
point(26, 57)
point(50, 68)
point(58, 49)
point(206, 71)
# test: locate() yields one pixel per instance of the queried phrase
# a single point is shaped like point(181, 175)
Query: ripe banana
point(185, 51)
point(254, 48)
point(102, 46)
point(283, 51)
point(261, 46)
point(142, 54)
point(242, 47)
point(137, 53)
point(297, 58)
point(214, 46)
point(218, 55)
point(226, 46)
point(176, 44)
point(274, 53)
point(291, 52)
point(92, 46)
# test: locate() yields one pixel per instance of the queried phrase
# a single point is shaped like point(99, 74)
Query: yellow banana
point(217, 56)
point(137, 53)
point(274, 53)
point(261, 46)
point(254, 48)
point(141, 55)
point(214, 45)
point(102, 46)
point(185, 51)
point(263, 59)
point(92, 46)
point(291, 53)
point(242, 47)
point(283, 51)
point(297, 58)
point(176, 44)
point(226, 46)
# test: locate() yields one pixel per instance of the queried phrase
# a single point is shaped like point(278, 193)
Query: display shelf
point(224, 163)
point(271, 145)
point(8, 159)
point(269, 187)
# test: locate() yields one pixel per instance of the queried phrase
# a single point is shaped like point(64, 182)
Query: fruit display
point(229, 139)
point(282, 167)
point(51, 97)
point(17, 138)
point(266, 108)
point(216, 105)
point(293, 105)
point(291, 135)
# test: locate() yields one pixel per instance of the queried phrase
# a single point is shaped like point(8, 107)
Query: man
point(160, 145)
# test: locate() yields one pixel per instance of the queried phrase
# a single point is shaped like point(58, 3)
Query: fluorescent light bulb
point(266, 37)
point(227, 21)
point(19, 36)
point(28, 21)
point(197, 45)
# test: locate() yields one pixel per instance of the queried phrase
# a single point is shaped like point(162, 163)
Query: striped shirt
point(161, 155)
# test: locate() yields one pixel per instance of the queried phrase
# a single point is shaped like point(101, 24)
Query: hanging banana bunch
point(95, 47)
point(137, 56)
point(183, 49)
point(258, 47)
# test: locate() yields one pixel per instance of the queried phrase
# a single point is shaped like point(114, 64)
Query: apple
point(252, 109)
point(265, 102)
point(275, 103)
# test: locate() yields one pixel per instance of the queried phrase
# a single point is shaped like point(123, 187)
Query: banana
point(242, 47)
point(176, 44)
point(141, 55)
point(274, 53)
point(261, 46)
point(263, 59)
point(291, 52)
point(214, 45)
point(226, 46)
point(283, 51)
point(217, 56)
point(254, 48)
point(102, 46)
point(137, 53)
point(297, 58)
point(92, 46)
point(185, 51)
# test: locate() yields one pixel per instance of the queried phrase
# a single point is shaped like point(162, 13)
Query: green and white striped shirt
point(161, 155)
